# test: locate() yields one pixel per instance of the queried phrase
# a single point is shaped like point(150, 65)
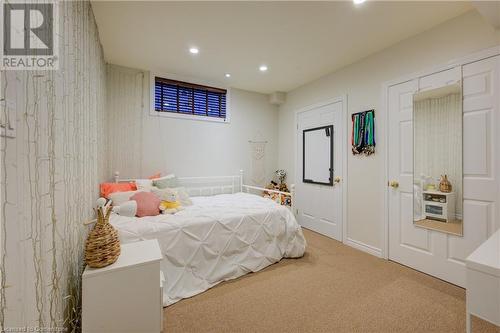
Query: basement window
point(189, 100)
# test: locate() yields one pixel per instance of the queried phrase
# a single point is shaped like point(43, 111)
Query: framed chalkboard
point(317, 157)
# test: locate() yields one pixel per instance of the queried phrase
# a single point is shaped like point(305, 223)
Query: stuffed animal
point(281, 199)
point(169, 203)
point(272, 186)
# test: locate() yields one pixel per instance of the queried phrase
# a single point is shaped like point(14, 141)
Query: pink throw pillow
point(148, 204)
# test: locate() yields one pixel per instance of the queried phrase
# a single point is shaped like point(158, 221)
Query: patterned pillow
point(179, 192)
point(148, 204)
point(167, 181)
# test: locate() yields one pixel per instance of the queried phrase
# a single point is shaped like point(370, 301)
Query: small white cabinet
point(483, 282)
point(439, 205)
point(127, 295)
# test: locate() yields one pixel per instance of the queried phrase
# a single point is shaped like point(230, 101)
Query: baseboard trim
point(364, 247)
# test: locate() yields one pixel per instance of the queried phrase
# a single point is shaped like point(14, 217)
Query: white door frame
point(344, 143)
point(484, 54)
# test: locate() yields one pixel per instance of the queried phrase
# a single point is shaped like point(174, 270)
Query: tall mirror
point(437, 159)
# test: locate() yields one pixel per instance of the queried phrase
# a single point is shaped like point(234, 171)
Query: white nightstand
point(127, 295)
point(439, 205)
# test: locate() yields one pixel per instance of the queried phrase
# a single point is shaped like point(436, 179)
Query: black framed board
point(317, 155)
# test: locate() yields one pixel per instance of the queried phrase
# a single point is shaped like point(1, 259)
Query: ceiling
point(298, 41)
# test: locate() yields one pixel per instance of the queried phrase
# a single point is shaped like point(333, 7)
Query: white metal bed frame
point(207, 186)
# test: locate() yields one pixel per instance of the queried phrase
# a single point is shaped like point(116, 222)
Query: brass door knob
point(336, 180)
point(393, 184)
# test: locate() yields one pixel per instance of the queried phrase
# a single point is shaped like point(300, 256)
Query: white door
point(432, 252)
point(319, 206)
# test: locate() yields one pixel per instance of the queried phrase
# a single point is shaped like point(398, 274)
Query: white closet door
point(432, 252)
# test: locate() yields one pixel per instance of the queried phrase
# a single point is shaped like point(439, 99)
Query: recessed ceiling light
point(263, 68)
point(194, 50)
point(358, 2)
point(227, 75)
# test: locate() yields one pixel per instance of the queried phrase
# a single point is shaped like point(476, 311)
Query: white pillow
point(128, 208)
point(180, 193)
point(118, 198)
point(144, 184)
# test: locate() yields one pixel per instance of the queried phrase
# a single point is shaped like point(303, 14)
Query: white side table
point(127, 295)
point(483, 282)
point(443, 209)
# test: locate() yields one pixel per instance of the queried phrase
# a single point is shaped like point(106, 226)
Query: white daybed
point(225, 234)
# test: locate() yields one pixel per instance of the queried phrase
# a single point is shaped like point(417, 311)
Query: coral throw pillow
point(148, 204)
point(108, 188)
point(156, 175)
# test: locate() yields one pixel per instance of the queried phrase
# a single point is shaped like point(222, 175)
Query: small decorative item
point(281, 174)
point(363, 133)
point(445, 185)
point(258, 155)
point(281, 186)
point(170, 203)
point(102, 247)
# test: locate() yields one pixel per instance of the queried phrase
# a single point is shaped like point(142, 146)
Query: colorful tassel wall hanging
point(363, 133)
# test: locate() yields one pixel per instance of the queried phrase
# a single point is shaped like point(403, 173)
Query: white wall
point(142, 144)
point(362, 82)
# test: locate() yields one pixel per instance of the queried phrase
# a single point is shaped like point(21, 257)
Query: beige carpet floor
point(333, 288)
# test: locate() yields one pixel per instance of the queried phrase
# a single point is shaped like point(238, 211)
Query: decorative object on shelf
point(431, 187)
point(445, 185)
point(363, 133)
point(102, 247)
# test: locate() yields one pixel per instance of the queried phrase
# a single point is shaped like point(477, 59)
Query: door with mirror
point(443, 167)
point(437, 159)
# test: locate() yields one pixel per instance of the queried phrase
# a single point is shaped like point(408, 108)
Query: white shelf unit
point(443, 209)
point(126, 296)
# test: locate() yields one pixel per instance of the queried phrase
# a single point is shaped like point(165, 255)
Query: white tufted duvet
point(216, 239)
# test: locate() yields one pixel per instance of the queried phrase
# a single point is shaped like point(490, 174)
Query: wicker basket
point(103, 245)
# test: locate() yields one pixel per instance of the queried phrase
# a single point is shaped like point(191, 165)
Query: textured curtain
point(438, 141)
point(125, 107)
